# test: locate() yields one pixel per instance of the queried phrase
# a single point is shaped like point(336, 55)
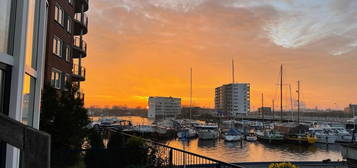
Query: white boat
point(324, 135)
point(251, 137)
point(342, 134)
point(232, 135)
point(208, 131)
point(186, 133)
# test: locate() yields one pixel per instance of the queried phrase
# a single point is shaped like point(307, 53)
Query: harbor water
point(251, 151)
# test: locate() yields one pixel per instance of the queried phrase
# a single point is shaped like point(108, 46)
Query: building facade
point(22, 53)
point(232, 99)
point(66, 47)
point(163, 107)
point(352, 109)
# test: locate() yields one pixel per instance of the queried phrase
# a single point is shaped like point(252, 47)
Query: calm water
point(252, 151)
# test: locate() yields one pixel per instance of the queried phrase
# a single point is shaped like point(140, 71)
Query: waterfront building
point(22, 47)
point(232, 99)
point(352, 109)
point(66, 47)
point(164, 107)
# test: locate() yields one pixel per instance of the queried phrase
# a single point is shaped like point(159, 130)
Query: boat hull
point(251, 138)
point(326, 139)
point(208, 135)
point(232, 138)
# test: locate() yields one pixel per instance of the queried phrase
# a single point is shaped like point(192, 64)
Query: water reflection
point(207, 143)
point(252, 151)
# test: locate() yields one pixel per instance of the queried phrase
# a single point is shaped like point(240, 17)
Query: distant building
point(232, 99)
point(264, 109)
point(352, 108)
point(164, 107)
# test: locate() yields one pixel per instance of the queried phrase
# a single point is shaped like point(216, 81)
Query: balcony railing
point(80, 47)
point(35, 145)
point(81, 23)
point(79, 72)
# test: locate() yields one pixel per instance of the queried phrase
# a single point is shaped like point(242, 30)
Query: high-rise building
point(232, 99)
point(352, 109)
point(164, 107)
point(22, 48)
point(66, 47)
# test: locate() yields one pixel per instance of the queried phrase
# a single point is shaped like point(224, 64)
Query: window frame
point(68, 53)
point(59, 12)
point(59, 46)
point(69, 25)
point(54, 83)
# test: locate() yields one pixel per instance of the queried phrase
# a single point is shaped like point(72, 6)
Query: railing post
point(170, 158)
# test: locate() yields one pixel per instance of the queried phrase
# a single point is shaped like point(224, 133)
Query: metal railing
point(81, 44)
point(35, 145)
point(83, 20)
point(79, 70)
point(174, 157)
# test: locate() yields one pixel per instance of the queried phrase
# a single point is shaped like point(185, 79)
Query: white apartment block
point(232, 99)
point(164, 107)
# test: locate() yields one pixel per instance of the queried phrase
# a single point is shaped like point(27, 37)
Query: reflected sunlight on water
point(250, 151)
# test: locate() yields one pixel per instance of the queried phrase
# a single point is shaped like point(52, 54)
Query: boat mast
point(190, 93)
point(291, 105)
point(233, 82)
point(273, 110)
point(262, 109)
point(298, 100)
point(281, 92)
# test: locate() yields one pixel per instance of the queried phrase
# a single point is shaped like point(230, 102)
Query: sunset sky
point(141, 48)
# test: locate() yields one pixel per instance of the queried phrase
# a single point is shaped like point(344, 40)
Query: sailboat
point(187, 132)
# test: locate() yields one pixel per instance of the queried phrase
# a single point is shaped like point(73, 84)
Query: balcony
point(80, 24)
point(78, 73)
point(79, 47)
point(81, 3)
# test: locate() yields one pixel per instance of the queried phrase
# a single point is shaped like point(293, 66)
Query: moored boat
point(207, 132)
point(186, 133)
point(251, 137)
point(232, 135)
point(269, 135)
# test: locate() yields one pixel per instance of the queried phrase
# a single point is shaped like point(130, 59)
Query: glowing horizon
point(142, 48)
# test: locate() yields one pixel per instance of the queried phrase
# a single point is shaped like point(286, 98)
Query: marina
point(261, 145)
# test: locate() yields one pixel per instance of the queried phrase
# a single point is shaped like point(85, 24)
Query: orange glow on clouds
point(138, 49)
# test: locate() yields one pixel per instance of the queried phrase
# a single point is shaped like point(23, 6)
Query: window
point(30, 56)
point(5, 12)
point(68, 53)
point(56, 79)
point(69, 25)
point(57, 46)
point(28, 100)
point(59, 14)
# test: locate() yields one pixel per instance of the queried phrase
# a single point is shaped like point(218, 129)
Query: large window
point(59, 14)
point(28, 100)
point(57, 46)
point(56, 76)
point(5, 11)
